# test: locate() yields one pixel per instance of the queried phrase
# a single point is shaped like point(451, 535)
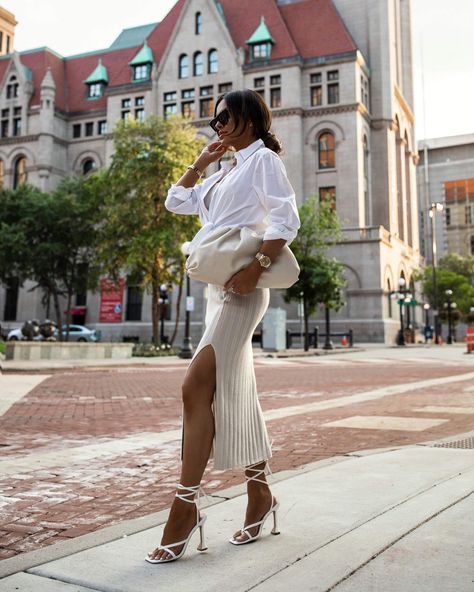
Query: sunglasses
point(222, 118)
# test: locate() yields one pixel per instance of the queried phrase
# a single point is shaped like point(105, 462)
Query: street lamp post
point(163, 305)
point(427, 331)
point(435, 207)
point(187, 348)
point(403, 296)
point(328, 344)
point(450, 306)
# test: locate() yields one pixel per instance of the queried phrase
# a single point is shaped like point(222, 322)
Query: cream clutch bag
point(225, 251)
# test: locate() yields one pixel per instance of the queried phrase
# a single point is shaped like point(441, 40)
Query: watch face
point(265, 261)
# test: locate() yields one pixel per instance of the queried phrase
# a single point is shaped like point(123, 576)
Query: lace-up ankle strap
point(258, 473)
point(191, 491)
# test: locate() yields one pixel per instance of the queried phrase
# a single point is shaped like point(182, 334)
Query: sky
point(442, 33)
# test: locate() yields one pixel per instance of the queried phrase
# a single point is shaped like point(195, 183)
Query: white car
point(76, 333)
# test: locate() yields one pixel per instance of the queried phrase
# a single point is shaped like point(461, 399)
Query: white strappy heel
point(201, 518)
point(273, 510)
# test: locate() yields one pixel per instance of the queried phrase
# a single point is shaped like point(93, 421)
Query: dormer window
point(260, 42)
point(96, 81)
point(12, 88)
point(198, 23)
point(142, 64)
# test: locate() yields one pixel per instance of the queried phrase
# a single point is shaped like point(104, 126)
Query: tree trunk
point(57, 309)
point(306, 325)
point(178, 307)
point(68, 312)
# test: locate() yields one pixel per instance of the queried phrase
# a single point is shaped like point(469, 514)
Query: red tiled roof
point(243, 18)
point(317, 28)
point(309, 28)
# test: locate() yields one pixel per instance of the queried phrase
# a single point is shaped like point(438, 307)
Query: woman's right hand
point(209, 154)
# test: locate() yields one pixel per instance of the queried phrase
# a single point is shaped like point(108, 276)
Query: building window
point(333, 75)
point(101, 127)
point(326, 151)
point(76, 130)
point(275, 80)
point(259, 82)
point(125, 112)
point(212, 63)
point(140, 115)
point(169, 96)
point(198, 23)
point(261, 51)
point(316, 78)
point(328, 194)
point(17, 126)
point(125, 115)
point(126, 103)
point(89, 128)
point(364, 91)
point(468, 215)
point(198, 64)
point(141, 72)
point(19, 172)
point(316, 96)
point(139, 101)
point(206, 91)
point(206, 108)
point(12, 87)
point(448, 216)
point(88, 166)
point(8, 43)
point(275, 98)
point(188, 93)
point(225, 87)
point(11, 300)
point(183, 66)
point(4, 131)
point(188, 109)
point(170, 109)
point(95, 90)
point(134, 304)
point(333, 93)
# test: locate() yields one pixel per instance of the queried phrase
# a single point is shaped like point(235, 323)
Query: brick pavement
point(44, 506)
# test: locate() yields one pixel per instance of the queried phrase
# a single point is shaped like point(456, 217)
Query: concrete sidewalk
point(387, 520)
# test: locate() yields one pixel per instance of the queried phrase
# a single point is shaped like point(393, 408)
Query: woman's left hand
point(245, 280)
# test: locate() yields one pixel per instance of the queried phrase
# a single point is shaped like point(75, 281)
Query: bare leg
point(260, 501)
point(198, 394)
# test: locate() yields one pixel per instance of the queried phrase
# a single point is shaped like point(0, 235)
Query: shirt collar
point(243, 154)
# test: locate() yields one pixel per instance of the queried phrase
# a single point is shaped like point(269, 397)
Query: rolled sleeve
point(182, 200)
point(278, 197)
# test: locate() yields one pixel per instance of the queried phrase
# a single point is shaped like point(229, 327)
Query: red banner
point(111, 301)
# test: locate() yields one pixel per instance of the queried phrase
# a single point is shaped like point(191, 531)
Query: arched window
point(19, 172)
point(212, 63)
point(87, 166)
point(12, 88)
point(183, 66)
point(326, 151)
point(198, 23)
point(198, 65)
point(2, 173)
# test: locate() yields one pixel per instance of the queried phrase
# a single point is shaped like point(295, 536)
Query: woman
point(222, 414)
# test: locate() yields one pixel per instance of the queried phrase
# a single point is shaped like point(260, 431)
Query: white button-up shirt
point(254, 193)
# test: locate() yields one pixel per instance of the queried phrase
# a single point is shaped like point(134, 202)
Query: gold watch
point(264, 260)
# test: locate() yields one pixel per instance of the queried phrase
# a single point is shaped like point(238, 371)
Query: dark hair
point(248, 106)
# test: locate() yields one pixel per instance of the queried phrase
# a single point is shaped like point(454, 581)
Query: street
point(95, 447)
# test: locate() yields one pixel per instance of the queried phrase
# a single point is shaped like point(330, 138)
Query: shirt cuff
point(279, 232)
point(179, 192)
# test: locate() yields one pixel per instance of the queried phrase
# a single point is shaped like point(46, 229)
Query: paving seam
point(359, 525)
point(395, 541)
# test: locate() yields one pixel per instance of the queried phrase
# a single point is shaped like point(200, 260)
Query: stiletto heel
point(274, 507)
point(275, 527)
point(200, 519)
point(202, 545)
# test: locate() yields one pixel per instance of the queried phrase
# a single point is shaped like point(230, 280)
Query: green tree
point(48, 238)
point(138, 235)
point(321, 280)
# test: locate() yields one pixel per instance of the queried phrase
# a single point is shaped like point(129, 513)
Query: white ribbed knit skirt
point(241, 437)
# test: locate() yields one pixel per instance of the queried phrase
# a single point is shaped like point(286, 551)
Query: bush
point(150, 350)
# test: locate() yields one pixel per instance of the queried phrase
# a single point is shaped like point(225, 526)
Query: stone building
point(338, 77)
point(446, 175)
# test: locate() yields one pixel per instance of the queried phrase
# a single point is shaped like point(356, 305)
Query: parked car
point(76, 333)
point(79, 333)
